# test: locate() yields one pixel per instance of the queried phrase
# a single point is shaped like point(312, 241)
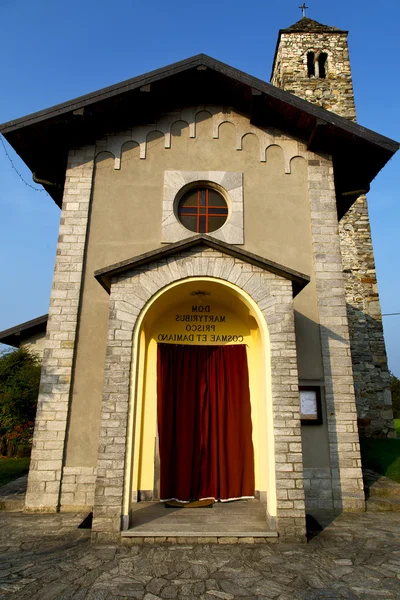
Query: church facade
point(210, 300)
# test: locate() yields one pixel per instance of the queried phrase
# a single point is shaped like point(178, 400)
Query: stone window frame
point(229, 183)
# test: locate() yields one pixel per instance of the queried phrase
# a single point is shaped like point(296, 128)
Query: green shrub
point(382, 456)
point(19, 388)
point(395, 388)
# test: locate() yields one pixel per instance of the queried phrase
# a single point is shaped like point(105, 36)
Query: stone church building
point(214, 329)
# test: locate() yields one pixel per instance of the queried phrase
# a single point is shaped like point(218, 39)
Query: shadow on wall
point(329, 351)
point(315, 344)
point(371, 383)
point(371, 375)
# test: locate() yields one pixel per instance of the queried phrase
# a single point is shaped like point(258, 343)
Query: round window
point(202, 210)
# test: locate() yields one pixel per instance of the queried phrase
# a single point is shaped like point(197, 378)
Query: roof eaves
point(23, 328)
point(203, 59)
point(102, 94)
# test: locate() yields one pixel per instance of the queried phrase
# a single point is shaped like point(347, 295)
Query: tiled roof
point(305, 24)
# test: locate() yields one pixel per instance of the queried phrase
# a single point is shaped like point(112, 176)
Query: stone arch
point(178, 126)
point(297, 162)
point(153, 136)
point(218, 125)
point(129, 147)
point(137, 371)
point(144, 348)
point(275, 152)
point(310, 61)
point(103, 155)
point(250, 143)
point(203, 122)
point(131, 292)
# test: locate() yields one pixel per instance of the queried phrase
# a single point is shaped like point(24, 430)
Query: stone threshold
point(142, 533)
point(243, 521)
point(196, 539)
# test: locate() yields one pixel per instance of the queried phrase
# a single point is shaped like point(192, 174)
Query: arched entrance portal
point(210, 315)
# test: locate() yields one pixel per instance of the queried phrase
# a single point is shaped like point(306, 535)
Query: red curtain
point(204, 422)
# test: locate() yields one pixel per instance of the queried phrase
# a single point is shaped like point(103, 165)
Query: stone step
point(212, 538)
point(12, 495)
point(12, 504)
point(383, 504)
point(383, 491)
point(379, 486)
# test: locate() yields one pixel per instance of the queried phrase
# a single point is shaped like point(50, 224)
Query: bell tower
point(312, 61)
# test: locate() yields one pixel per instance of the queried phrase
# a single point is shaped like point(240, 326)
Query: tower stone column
point(312, 61)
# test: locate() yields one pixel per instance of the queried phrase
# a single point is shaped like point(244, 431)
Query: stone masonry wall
point(335, 93)
point(371, 373)
point(46, 466)
point(344, 446)
point(318, 488)
point(129, 294)
point(77, 489)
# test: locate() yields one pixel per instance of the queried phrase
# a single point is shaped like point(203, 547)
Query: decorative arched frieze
point(296, 158)
point(267, 137)
point(217, 125)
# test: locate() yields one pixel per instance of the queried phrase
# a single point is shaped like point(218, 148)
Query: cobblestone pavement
point(47, 556)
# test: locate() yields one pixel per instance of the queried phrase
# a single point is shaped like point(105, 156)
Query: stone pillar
point(347, 483)
point(286, 413)
point(370, 369)
point(44, 479)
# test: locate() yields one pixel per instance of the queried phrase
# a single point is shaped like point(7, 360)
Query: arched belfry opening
point(317, 64)
point(322, 65)
point(311, 64)
point(201, 417)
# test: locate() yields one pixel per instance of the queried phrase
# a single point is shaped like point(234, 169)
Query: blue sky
point(56, 51)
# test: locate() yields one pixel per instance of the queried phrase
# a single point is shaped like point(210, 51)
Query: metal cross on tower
point(303, 8)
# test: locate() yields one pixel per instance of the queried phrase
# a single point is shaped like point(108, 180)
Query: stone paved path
point(46, 557)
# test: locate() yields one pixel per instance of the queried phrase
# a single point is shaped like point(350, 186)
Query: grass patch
point(12, 468)
point(382, 456)
point(397, 427)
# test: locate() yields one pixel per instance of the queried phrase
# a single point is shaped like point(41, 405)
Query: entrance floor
point(46, 556)
point(244, 518)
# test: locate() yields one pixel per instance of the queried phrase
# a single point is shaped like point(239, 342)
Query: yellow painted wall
point(234, 319)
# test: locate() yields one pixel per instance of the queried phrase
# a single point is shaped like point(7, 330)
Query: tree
point(395, 388)
point(19, 388)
